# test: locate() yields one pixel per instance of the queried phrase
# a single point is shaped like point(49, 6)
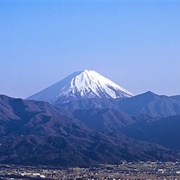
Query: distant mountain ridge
point(152, 104)
point(146, 103)
point(85, 84)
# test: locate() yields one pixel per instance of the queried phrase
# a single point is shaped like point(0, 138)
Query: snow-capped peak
point(81, 85)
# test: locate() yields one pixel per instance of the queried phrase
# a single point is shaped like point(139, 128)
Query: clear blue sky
point(137, 45)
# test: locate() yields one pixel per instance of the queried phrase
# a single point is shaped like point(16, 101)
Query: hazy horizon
point(136, 45)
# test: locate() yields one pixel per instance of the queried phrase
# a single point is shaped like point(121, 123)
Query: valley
point(123, 171)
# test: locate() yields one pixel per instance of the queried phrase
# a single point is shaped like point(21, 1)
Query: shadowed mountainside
point(112, 122)
point(36, 133)
point(148, 103)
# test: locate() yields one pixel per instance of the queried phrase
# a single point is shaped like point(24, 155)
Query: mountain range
point(87, 119)
point(146, 103)
point(35, 132)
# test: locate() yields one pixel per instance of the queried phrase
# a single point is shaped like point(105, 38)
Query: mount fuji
point(80, 85)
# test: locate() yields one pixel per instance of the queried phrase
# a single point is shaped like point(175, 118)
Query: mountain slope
point(81, 85)
point(107, 121)
point(37, 133)
point(150, 103)
point(147, 103)
point(111, 122)
point(163, 131)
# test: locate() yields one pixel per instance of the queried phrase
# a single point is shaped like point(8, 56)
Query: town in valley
point(125, 170)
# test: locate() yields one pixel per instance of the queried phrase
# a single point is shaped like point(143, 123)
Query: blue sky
point(135, 44)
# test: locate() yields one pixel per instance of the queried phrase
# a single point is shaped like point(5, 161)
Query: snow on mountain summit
point(81, 85)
